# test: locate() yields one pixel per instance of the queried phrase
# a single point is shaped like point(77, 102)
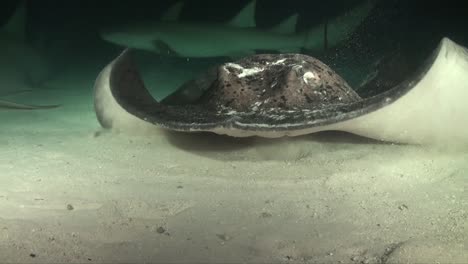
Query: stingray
point(277, 95)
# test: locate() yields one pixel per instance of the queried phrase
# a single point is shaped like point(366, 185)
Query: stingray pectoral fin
point(12, 105)
point(122, 102)
point(192, 90)
point(109, 112)
point(433, 111)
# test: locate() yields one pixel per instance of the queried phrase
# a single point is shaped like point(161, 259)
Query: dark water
point(67, 31)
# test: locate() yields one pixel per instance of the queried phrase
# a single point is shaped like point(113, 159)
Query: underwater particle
point(70, 207)
point(223, 237)
point(161, 230)
point(180, 187)
point(266, 215)
point(32, 255)
point(389, 251)
point(403, 207)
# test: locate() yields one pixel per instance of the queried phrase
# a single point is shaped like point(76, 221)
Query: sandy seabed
point(70, 192)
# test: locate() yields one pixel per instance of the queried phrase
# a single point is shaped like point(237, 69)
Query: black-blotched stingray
point(290, 95)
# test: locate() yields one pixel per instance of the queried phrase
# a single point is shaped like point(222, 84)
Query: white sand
point(330, 198)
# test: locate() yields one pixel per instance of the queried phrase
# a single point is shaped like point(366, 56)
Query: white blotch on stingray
point(309, 76)
point(245, 72)
point(278, 62)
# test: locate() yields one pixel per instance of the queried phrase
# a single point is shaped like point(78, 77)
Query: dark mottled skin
point(286, 81)
point(285, 92)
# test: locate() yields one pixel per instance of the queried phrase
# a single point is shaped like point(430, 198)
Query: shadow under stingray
point(227, 148)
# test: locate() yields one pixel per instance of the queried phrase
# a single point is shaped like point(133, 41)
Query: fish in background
point(237, 38)
point(21, 67)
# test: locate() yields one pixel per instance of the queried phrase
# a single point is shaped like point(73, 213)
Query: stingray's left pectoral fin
point(119, 96)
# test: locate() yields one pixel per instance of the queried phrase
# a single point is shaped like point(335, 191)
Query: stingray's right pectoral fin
point(432, 109)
